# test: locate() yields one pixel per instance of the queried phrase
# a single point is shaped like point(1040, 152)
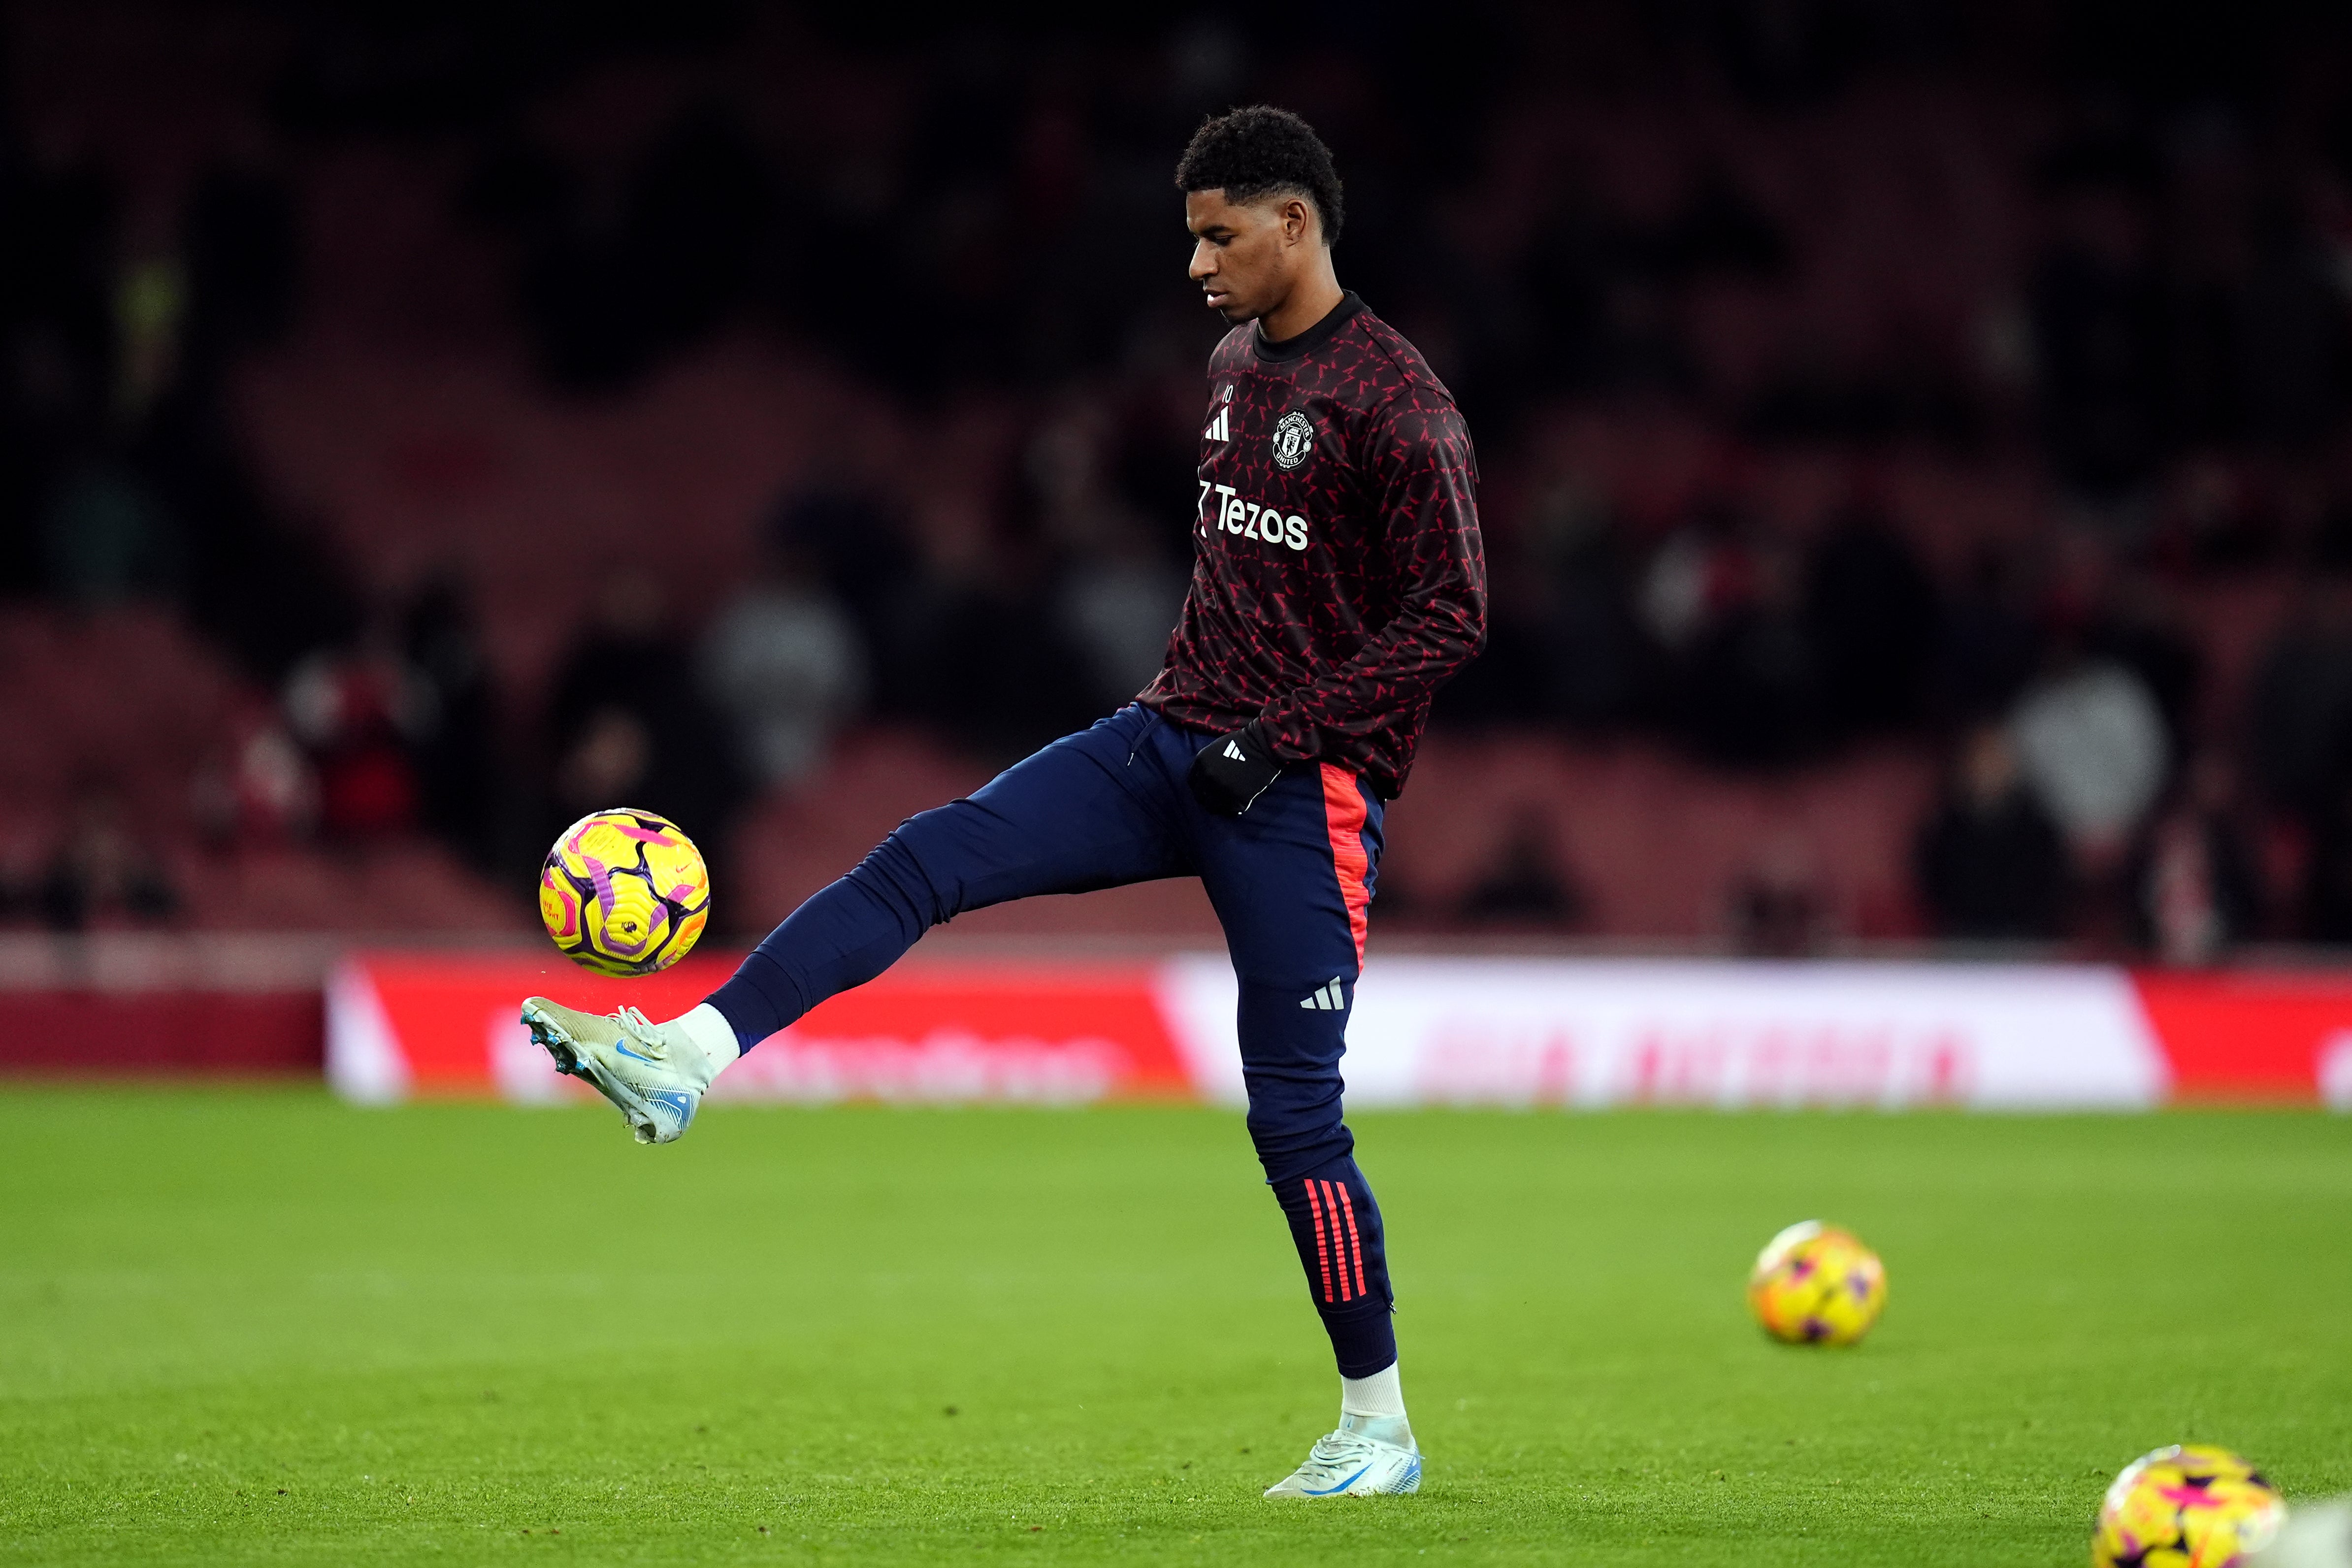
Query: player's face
point(1243, 254)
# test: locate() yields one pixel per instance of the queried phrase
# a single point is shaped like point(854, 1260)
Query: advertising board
point(1422, 1031)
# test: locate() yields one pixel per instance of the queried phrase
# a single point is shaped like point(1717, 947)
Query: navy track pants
point(1291, 881)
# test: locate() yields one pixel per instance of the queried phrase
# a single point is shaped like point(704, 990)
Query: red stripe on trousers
point(1331, 1202)
point(1352, 1242)
point(1322, 1257)
point(1343, 817)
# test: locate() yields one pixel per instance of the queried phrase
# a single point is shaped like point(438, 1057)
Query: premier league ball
point(1816, 1285)
point(2194, 1507)
point(625, 892)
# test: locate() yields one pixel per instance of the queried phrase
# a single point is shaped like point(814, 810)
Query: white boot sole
point(571, 1058)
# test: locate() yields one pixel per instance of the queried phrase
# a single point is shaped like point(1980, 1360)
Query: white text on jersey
point(1252, 519)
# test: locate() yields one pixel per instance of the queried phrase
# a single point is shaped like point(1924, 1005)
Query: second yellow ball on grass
point(2193, 1506)
point(1814, 1284)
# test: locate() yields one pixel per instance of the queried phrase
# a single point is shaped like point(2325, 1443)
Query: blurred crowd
point(2114, 288)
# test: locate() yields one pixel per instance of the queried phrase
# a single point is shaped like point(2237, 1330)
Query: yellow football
point(1816, 1285)
point(2193, 1507)
point(623, 892)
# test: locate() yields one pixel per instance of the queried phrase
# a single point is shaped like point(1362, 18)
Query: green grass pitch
point(259, 1327)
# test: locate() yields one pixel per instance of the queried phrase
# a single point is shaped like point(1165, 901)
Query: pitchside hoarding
point(1424, 1031)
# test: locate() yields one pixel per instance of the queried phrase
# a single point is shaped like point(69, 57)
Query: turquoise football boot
point(652, 1072)
point(1352, 1462)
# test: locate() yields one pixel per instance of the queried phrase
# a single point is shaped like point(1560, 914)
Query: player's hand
point(1231, 772)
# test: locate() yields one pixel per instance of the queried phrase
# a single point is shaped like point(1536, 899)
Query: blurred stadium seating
point(425, 320)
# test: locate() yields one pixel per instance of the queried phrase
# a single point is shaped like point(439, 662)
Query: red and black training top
point(1337, 579)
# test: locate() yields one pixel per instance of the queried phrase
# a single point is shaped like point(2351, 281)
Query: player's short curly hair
point(1258, 151)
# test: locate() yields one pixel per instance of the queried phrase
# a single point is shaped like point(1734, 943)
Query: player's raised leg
point(1070, 819)
point(1292, 881)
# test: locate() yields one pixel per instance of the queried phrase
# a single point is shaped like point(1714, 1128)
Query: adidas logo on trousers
point(1328, 999)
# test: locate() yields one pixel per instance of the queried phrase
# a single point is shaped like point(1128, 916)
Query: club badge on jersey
point(1294, 439)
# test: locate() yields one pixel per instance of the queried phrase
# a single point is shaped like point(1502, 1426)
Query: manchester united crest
point(1294, 439)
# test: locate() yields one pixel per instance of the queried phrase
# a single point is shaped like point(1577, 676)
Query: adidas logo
point(1236, 753)
point(1220, 428)
point(1326, 999)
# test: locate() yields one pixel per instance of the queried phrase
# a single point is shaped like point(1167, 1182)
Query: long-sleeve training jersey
point(1337, 578)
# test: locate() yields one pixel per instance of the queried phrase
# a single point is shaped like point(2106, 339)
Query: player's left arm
point(1418, 457)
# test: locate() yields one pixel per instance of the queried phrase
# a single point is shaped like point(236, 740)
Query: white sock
point(1374, 1406)
point(1378, 1394)
point(708, 1027)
